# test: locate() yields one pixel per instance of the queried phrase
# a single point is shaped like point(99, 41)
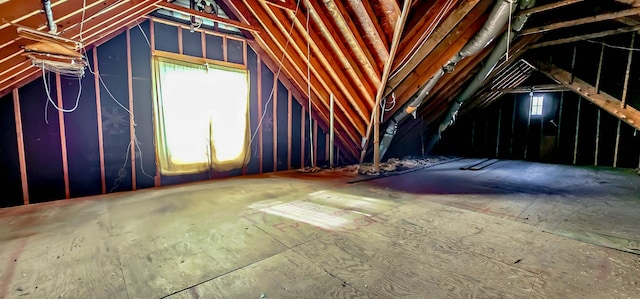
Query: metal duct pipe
point(53, 28)
point(498, 17)
point(490, 63)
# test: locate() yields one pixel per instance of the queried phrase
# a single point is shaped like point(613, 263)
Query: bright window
point(201, 116)
point(536, 105)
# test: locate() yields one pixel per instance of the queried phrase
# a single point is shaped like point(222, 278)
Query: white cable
point(264, 113)
point(143, 34)
point(47, 90)
point(612, 46)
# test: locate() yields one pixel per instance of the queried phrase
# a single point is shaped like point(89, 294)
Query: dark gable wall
point(42, 140)
point(551, 138)
point(499, 132)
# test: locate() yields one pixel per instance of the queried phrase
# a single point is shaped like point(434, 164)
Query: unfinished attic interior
point(319, 149)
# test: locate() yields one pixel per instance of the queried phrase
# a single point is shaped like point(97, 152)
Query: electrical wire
point(612, 46)
point(50, 100)
point(264, 113)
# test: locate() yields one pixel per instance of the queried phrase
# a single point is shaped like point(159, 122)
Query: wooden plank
point(546, 7)
point(322, 64)
point(603, 100)
point(260, 112)
point(285, 275)
point(303, 136)
point(20, 142)
point(320, 79)
point(132, 128)
point(295, 68)
point(213, 18)
point(375, 114)
point(349, 33)
point(582, 21)
point(274, 103)
point(283, 4)
point(584, 37)
point(96, 84)
point(289, 128)
point(63, 139)
point(401, 71)
point(315, 144)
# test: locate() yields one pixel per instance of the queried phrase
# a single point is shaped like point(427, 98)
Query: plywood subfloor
point(511, 229)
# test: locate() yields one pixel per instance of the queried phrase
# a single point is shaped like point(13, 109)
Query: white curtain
point(201, 117)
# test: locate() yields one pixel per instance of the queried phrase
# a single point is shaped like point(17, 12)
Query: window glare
point(536, 105)
point(203, 108)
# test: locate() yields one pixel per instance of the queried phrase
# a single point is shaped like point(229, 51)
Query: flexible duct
point(498, 17)
point(498, 52)
point(53, 28)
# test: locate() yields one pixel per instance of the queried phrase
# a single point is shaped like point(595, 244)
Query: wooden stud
point(180, 46)
point(289, 128)
point(274, 102)
point(582, 21)
point(595, 161)
point(259, 70)
point(244, 52)
point(615, 151)
point(303, 115)
point(626, 76)
point(203, 43)
point(63, 139)
point(285, 4)
point(224, 48)
point(599, 69)
point(158, 177)
point(20, 140)
point(96, 84)
point(315, 143)
point(575, 145)
point(630, 115)
point(550, 6)
point(132, 128)
point(584, 37)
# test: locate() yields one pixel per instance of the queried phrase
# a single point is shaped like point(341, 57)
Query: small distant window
point(536, 105)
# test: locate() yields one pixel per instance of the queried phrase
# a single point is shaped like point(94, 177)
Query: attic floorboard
point(443, 231)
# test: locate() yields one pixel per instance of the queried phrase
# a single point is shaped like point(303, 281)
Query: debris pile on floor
point(392, 165)
point(395, 164)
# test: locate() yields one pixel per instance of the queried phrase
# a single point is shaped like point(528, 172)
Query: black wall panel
point(191, 43)
point(82, 135)
point(166, 37)
point(234, 51)
point(112, 62)
point(43, 151)
point(267, 122)
point(10, 180)
point(282, 126)
point(142, 107)
point(296, 109)
point(214, 47)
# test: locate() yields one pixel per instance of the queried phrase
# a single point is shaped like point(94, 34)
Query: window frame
point(537, 105)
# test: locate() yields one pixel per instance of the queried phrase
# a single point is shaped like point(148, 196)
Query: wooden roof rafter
point(299, 65)
point(96, 27)
point(297, 73)
point(320, 67)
